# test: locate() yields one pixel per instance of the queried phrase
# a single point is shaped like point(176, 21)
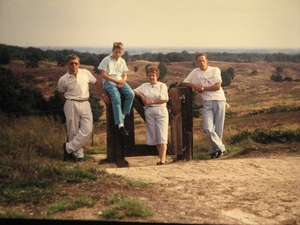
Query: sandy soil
point(228, 190)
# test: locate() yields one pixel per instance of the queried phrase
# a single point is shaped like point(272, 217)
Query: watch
point(202, 89)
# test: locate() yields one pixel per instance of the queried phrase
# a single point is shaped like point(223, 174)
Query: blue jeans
point(213, 123)
point(115, 97)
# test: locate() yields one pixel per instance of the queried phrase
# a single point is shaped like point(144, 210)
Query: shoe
point(212, 155)
point(160, 163)
point(218, 153)
point(67, 156)
point(123, 132)
point(79, 160)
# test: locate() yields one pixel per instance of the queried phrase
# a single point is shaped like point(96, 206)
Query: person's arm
point(61, 95)
point(198, 88)
point(105, 76)
point(104, 97)
point(155, 101)
point(137, 93)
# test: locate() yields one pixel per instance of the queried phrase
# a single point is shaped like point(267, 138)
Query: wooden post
point(181, 120)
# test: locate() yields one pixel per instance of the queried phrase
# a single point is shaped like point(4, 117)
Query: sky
point(151, 23)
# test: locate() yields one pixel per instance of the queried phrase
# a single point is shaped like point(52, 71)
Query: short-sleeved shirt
point(152, 92)
point(207, 78)
point(76, 87)
point(113, 67)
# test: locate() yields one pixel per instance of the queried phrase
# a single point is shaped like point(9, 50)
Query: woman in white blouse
point(154, 95)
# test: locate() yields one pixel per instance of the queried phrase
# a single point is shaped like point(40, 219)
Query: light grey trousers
point(79, 123)
point(213, 123)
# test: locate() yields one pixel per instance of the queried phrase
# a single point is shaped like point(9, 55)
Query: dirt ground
point(253, 188)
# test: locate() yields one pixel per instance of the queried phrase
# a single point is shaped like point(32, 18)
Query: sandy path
point(227, 191)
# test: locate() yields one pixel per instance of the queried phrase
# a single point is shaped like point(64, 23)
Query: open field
point(254, 184)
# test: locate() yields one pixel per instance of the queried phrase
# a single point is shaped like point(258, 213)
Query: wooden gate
point(181, 135)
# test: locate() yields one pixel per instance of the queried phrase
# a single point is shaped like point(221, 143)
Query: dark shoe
point(79, 160)
point(123, 132)
point(67, 156)
point(160, 163)
point(218, 153)
point(212, 155)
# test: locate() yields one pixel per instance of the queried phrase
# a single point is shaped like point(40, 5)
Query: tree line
point(33, 55)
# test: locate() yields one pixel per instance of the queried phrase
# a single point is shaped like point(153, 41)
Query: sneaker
point(123, 132)
point(67, 155)
point(79, 160)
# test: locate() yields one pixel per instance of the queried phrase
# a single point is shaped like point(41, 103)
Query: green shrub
point(265, 136)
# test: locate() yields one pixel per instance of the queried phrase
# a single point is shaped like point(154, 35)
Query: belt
point(77, 100)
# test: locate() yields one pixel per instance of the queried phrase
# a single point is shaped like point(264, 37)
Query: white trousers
point(79, 123)
point(157, 122)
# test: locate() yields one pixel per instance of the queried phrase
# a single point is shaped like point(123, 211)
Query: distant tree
point(16, 100)
point(9, 91)
point(288, 79)
point(231, 72)
point(61, 60)
point(126, 56)
point(5, 57)
point(33, 63)
point(279, 69)
point(277, 77)
point(97, 108)
point(162, 71)
point(160, 57)
point(227, 76)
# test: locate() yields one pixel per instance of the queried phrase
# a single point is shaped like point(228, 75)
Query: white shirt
point(76, 87)
point(152, 92)
point(207, 78)
point(113, 67)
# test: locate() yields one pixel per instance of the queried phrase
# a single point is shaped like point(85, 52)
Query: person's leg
point(85, 129)
point(115, 98)
point(72, 121)
point(128, 94)
point(219, 108)
point(161, 124)
point(209, 127)
point(150, 126)
point(162, 151)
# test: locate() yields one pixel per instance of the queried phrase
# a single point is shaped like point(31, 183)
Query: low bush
point(265, 136)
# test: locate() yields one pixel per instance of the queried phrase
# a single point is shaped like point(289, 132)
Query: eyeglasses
point(73, 63)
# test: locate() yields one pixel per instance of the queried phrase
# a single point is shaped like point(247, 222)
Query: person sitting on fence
point(154, 95)
point(114, 74)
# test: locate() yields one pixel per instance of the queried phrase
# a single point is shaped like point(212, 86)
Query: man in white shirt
point(207, 81)
point(73, 89)
point(114, 73)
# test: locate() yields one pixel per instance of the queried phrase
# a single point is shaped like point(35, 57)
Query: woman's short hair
point(118, 45)
point(152, 69)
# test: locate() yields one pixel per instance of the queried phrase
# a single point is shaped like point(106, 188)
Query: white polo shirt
point(113, 67)
point(76, 87)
